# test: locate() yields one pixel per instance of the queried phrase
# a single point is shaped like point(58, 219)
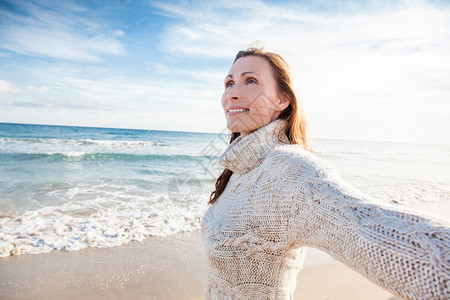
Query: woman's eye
point(229, 84)
point(251, 81)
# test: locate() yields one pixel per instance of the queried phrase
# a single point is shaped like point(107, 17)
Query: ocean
point(67, 188)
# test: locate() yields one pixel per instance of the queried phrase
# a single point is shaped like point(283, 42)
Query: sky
point(363, 70)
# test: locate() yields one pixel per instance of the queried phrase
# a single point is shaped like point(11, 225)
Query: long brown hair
point(296, 128)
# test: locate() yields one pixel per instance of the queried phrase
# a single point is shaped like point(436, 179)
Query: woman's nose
point(234, 93)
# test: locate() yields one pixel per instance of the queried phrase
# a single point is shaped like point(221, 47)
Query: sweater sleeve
point(405, 253)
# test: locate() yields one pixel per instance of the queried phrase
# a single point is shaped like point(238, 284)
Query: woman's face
point(251, 99)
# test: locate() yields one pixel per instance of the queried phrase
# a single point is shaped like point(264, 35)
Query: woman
point(276, 196)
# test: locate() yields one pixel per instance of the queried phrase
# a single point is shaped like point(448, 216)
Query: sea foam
point(106, 221)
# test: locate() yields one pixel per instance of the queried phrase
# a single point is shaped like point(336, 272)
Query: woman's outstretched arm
point(407, 254)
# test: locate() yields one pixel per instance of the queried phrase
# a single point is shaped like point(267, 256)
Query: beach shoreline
point(169, 267)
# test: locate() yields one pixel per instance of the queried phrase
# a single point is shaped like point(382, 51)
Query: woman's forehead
point(254, 64)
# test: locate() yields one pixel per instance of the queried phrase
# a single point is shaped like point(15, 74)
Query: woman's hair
point(296, 128)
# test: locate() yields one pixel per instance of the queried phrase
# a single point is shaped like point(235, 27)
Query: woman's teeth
point(237, 109)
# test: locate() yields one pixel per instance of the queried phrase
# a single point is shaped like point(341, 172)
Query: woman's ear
point(283, 101)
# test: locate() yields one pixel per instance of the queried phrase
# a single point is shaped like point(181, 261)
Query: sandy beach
point(157, 268)
point(170, 267)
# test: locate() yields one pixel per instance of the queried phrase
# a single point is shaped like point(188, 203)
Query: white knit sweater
point(281, 198)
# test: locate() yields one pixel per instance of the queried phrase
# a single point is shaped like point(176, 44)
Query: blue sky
point(364, 70)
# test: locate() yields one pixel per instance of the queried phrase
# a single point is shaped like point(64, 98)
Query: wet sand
point(169, 267)
point(158, 268)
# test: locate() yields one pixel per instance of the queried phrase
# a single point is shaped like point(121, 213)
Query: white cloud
point(118, 33)
point(216, 30)
point(57, 31)
point(8, 87)
point(367, 73)
point(41, 89)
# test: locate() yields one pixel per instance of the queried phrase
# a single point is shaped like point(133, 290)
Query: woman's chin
point(237, 125)
point(239, 129)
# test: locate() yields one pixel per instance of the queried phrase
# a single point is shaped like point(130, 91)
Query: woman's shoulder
point(295, 154)
point(293, 158)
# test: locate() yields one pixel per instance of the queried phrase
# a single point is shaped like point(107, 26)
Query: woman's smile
point(234, 111)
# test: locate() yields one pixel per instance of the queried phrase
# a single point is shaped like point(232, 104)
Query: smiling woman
point(276, 196)
point(251, 99)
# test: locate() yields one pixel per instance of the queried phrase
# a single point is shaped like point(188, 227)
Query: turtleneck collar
point(248, 152)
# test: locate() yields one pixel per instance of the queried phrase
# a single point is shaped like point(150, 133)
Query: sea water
point(67, 188)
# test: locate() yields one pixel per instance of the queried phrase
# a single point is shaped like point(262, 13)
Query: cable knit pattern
point(281, 198)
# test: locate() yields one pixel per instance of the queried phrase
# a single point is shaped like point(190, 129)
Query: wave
point(99, 214)
point(82, 142)
point(88, 148)
point(100, 222)
point(82, 156)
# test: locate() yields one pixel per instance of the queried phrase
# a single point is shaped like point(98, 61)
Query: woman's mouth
point(236, 111)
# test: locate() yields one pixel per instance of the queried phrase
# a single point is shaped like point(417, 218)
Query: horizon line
point(218, 133)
